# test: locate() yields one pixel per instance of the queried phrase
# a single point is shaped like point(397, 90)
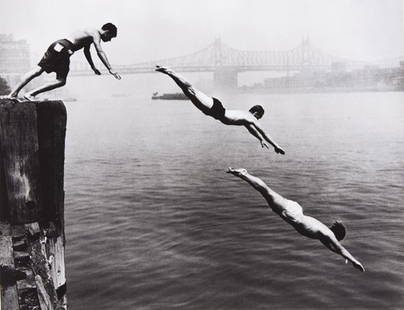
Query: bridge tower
point(306, 50)
point(224, 76)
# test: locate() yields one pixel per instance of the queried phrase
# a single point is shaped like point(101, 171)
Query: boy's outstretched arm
point(344, 253)
point(256, 134)
point(335, 246)
point(87, 53)
point(103, 57)
point(267, 138)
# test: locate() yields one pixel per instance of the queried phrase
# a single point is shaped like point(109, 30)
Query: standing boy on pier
point(57, 58)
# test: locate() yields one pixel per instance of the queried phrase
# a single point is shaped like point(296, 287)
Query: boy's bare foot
point(163, 69)
point(29, 97)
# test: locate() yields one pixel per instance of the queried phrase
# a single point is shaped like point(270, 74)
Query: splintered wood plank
point(43, 296)
point(40, 266)
point(57, 250)
point(8, 291)
point(33, 229)
point(4, 210)
point(20, 160)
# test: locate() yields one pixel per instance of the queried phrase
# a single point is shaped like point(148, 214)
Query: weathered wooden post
point(32, 239)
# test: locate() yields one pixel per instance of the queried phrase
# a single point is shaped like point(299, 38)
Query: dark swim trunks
point(57, 58)
point(217, 110)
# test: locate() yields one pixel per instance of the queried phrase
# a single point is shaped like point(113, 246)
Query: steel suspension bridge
point(226, 62)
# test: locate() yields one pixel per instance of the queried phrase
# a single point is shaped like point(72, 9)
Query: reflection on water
point(153, 222)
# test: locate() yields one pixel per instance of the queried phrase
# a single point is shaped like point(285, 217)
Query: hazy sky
point(153, 29)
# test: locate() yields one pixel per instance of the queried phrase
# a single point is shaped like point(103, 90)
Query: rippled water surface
point(154, 222)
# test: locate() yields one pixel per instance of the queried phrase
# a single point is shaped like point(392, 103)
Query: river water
point(154, 222)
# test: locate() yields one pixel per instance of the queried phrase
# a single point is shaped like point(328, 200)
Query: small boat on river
point(174, 96)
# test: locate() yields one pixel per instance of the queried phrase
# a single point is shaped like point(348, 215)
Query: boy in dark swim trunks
point(57, 58)
point(214, 108)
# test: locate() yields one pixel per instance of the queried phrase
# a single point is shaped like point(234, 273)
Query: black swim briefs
point(217, 110)
point(57, 58)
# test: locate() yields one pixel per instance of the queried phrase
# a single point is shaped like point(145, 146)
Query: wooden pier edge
point(32, 238)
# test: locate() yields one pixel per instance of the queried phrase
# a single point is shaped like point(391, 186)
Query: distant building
point(400, 77)
point(338, 67)
point(14, 55)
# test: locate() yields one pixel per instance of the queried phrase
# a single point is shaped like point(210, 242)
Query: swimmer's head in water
point(257, 111)
point(339, 230)
point(110, 31)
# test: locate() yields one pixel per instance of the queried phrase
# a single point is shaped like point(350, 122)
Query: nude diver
point(214, 108)
point(291, 212)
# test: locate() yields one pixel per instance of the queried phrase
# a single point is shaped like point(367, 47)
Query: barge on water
point(174, 96)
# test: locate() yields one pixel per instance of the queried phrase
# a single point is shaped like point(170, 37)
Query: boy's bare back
point(84, 38)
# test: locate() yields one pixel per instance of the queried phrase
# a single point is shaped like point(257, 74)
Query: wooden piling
point(32, 239)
